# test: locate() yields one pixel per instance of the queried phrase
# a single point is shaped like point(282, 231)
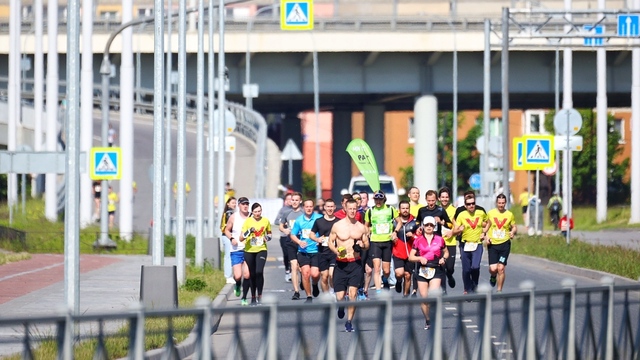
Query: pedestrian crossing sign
point(296, 14)
point(518, 157)
point(105, 163)
point(538, 151)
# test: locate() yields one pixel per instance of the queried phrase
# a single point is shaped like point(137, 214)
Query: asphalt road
point(243, 183)
point(408, 321)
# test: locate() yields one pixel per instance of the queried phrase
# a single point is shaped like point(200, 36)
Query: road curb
point(188, 345)
point(574, 270)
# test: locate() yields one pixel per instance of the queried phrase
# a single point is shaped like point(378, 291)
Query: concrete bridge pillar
point(374, 132)
point(342, 135)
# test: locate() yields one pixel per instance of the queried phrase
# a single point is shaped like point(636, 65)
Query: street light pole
point(249, 94)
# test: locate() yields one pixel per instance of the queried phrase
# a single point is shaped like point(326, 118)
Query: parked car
point(387, 185)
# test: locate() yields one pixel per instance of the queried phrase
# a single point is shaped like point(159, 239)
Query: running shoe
point(316, 290)
point(341, 312)
point(254, 302)
point(348, 327)
point(451, 281)
point(237, 290)
point(287, 276)
point(385, 283)
point(361, 295)
point(427, 325)
point(296, 296)
point(414, 294)
point(492, 281)
point(309, 300)
point(398, 286)
point(244, 302)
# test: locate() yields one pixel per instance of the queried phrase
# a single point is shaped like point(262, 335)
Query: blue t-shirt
point(301, 228)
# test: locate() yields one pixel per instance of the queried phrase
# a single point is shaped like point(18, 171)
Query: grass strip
point(611, 259)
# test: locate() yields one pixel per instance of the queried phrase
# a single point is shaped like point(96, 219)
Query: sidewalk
point(35, 287)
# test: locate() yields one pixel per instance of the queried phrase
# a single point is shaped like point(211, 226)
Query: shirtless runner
point(347, 239)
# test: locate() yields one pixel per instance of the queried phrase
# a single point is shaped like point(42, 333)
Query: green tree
point(584, 172)
point(308, 185)
point(468, 156)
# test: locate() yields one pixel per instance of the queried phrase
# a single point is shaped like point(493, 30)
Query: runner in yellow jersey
point(414, 198)
point(499, 230)
point(523, 199)
point(470, 222)
point(449, 235)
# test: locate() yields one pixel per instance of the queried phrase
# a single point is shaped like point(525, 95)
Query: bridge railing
point(249, 123)
point(600, 322)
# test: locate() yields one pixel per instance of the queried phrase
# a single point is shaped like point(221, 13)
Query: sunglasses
point(429, 225)
point(469, 204)
point(378, 196)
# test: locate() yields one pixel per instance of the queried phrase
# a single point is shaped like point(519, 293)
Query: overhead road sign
point(105, 163)
point(296, 14)
point(596, 30)
point(628, 25)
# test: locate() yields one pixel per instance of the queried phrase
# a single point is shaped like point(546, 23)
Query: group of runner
point(340, 252)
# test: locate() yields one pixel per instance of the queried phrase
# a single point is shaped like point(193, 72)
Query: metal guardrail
point(249, 123)
point(600, 322)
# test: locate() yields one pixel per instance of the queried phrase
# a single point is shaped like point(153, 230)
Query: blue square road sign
point(628, 25)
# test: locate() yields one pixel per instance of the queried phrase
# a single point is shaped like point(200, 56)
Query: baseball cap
point(243, 200)
point(429, 220)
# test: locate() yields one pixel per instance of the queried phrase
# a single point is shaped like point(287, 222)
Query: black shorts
point(292, 250)
point(439, 273)
point(306, 259)
point(112, 212)
point(347, 274)
point(499, 253)
point(381, 250)
point(366, 255)
point(403, 263)
point(326, 260)
point(524, 208)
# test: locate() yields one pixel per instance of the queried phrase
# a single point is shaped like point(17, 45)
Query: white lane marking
point(31, 271)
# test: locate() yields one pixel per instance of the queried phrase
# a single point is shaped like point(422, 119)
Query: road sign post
point(568, 122)
point(289, 153)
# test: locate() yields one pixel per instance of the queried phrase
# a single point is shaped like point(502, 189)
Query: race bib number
point(325, 241)
point(382, 228)
point(470, 246)
point(257, 241)
point(305, 233)
point(291, 222)
point(427, 272)
point(498, 234)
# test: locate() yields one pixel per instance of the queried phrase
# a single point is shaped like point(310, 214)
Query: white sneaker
point(287, 277)
point(231, 280)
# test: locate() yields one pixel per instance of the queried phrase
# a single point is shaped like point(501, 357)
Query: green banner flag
point(365, 161)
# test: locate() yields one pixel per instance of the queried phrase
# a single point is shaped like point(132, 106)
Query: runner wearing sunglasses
point(470, 223)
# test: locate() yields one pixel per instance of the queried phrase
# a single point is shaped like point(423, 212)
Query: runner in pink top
point(430, 252)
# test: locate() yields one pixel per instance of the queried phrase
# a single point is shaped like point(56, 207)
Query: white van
point(387, 185)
